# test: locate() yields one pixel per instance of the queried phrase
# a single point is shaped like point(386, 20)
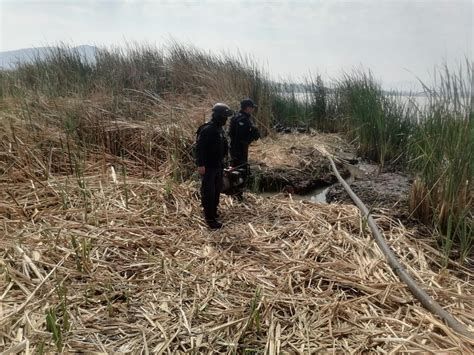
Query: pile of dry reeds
point(42, 136)
point(296, 163)
point(108, 261)
point(295, 150)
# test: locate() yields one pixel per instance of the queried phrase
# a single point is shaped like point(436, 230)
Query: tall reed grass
point(441, 153)
point(381, 124)
point(290, 104)
point(175, 70)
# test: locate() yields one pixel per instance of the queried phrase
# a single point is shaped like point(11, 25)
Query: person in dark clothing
point(241, 133)
point(211, 149)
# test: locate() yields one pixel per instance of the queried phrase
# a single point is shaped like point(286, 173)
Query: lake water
point(419, 101)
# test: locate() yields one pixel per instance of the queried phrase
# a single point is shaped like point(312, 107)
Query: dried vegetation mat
point(111, 263)
point(287, 150)
point(294, 162)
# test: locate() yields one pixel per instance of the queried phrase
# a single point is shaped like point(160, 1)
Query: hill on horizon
point(9, 59)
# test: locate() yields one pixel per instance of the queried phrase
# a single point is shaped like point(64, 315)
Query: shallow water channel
point(319, 195)
point(316, 196)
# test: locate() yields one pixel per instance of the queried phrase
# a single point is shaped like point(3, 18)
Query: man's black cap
point(247, 103)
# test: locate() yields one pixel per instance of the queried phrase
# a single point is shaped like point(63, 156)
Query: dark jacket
point(211, 145)
point(241, 133)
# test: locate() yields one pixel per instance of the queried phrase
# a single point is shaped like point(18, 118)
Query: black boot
point(239, 197)
point(214, 223)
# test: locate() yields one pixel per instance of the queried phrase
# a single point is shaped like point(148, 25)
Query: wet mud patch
point(385, 190)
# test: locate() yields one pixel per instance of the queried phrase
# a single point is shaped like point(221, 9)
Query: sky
point(398, 40)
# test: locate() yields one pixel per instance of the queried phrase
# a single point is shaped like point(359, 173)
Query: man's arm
point(232, 128)
point(254, 133)
point(202, 143)
point(247, 132)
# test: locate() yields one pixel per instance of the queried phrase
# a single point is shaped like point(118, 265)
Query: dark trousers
point(242, 164)
point(211, 186)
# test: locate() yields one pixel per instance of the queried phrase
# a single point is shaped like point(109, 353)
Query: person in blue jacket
point(211, 150)
point(242, 132)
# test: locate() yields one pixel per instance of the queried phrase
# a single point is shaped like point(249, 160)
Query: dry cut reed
point(115, 262)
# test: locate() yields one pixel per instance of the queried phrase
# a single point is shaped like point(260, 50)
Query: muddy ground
point(385, 190)
point(296, 163)
point(300, 180)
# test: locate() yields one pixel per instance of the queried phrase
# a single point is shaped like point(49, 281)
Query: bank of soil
point(295, 163)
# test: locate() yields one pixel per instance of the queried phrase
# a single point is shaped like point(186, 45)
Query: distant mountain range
point(9, 59)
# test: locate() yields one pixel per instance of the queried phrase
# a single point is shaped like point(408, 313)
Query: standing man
point(211, 149)
point(242, 132)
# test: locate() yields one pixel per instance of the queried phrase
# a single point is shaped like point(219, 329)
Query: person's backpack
point(193, 148)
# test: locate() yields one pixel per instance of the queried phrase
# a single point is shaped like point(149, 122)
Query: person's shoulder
point(211, 128)
point(206, 125)
point(204, 128)
point(245, 117)
point(239, 116)
point(235, 117)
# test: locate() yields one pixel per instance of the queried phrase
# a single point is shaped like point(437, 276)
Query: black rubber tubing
point(415, 289)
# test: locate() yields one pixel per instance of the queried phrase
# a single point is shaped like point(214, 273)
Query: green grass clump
point(378, 122)
point(289, 106)
point(63, 72)
point(442, 155)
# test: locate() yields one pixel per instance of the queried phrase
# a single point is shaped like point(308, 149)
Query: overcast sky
point(397, 39)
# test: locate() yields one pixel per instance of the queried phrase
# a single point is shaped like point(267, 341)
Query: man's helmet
point(222, 110)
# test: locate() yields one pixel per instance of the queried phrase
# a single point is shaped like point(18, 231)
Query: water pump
point(233, 180)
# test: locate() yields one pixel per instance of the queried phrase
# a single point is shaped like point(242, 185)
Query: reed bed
point(170, 71)
point(112, 262)
point(441, 152)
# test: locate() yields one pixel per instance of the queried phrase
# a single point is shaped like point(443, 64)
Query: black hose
point(416, 290)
